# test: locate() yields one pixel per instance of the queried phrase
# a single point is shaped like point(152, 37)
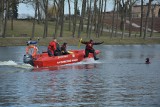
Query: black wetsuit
point(89, 48)
point(64, 50)
point(57, 52)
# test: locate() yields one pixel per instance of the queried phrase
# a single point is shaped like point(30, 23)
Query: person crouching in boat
point(53, 48)
point(89, 48)
point(64, 49)
point(57, 52)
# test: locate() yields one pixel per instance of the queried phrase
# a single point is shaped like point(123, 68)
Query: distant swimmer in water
point(147, 61)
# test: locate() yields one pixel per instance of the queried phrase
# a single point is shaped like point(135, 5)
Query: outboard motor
point(28, 59)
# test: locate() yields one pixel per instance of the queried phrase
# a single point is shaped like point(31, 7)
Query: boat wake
point(12, 66)
point(86, 61)
point(9, 63)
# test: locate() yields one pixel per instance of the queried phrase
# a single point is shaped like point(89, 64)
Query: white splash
point(10, 62)
point(25, 66)
point(14, 64)
point(86, 61)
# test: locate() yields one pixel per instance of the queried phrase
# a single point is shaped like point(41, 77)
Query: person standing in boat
point(64, 49)
point(53, 48)
point(89, 48)
point(57, 52)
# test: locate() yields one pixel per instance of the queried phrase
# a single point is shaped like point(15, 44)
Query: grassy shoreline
point(23, 29)
point(21, 41)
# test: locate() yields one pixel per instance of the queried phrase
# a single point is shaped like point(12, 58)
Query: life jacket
point(52, 46)
point(89, 45)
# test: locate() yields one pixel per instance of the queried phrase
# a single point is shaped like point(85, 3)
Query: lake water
point(119, 79)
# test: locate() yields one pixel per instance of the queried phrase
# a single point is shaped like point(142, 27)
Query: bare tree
point(92, 18)
point(147, 16)
point(1, 15)
point(69, 8)
point(5, 2)
point(35, 16)
point(41, 8)
point(39, 15)
point(57, 18)
point(12, 15)
point(99, 19)
point(89, 16)
point(103, 16)
point(62, 18)
point(82, 17)
point(130, 17)
point(75, 17)
point(95, 15)
point(131, 3)
point(141, 28)
point(123, 10)
point(117, 17)
point(113, 18)
point(152, 22)
point(45, 33)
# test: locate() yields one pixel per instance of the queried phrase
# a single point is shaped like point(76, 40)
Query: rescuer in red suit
point(52, 47)
point(89, 48)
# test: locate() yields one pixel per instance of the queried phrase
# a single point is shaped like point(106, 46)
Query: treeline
point(91, 15)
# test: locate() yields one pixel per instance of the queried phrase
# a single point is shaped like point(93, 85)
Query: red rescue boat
point(43, 60)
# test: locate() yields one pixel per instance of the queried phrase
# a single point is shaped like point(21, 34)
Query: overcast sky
point(27, 10)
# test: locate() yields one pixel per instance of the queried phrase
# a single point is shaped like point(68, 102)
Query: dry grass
point(25, 27)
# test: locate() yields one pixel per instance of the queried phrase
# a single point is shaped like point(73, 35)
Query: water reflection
point(66, 67)
point(120, 78)
point(68, 88)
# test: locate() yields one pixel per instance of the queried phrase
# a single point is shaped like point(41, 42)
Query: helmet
point(65, 43)
point(91, 40)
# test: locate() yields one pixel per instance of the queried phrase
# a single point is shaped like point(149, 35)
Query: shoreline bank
point(21, 41)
